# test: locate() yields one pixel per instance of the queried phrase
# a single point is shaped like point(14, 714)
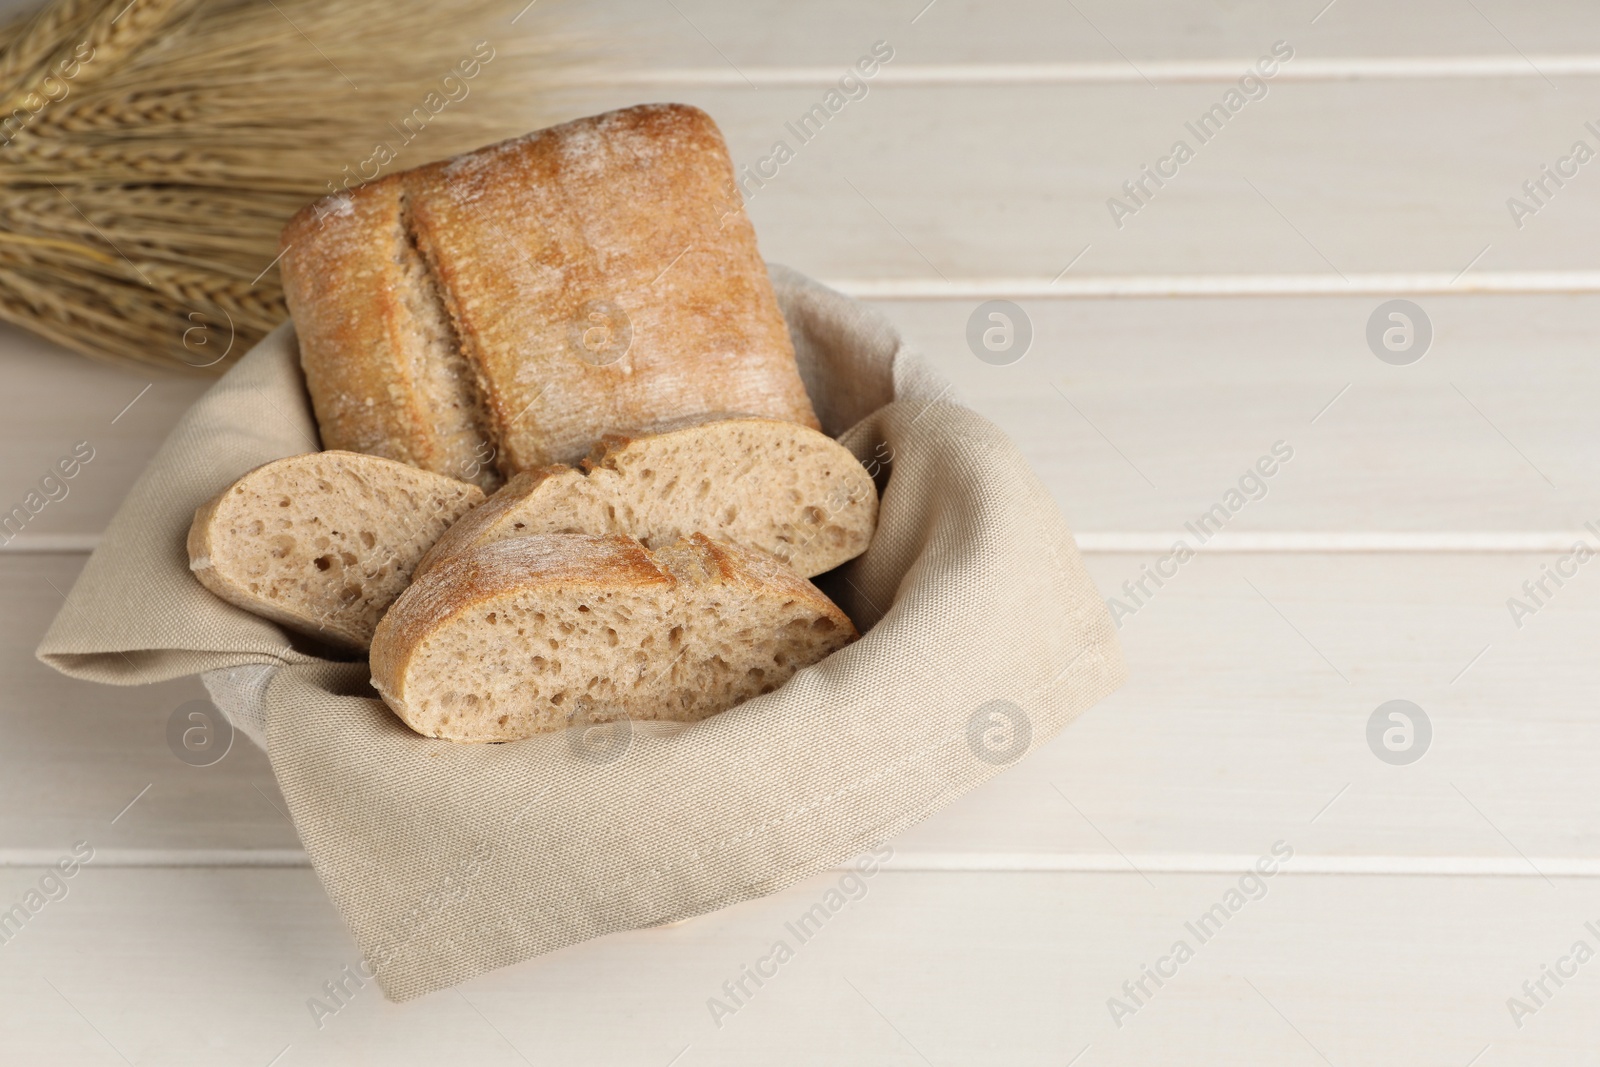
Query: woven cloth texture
point(983, 638)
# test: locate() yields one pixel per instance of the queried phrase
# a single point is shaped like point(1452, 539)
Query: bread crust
point(453, 596)
point(493, 520)
point(600, 277)
point(462, 584)
point(363, 336)
point(833, 526)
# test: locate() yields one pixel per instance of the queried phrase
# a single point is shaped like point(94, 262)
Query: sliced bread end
point(531, 635)
point(322, 543)
point(783, 488)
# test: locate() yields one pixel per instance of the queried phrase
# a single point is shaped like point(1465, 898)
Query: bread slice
point(525, 299)
point(534, 634)
point(323, 542)
point(783, 488)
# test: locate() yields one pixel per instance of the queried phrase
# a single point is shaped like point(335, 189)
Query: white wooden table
point(1227, 313)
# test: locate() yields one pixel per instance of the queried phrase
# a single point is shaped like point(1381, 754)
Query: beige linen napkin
point(983, 639)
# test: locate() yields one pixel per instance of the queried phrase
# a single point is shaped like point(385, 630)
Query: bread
point(776, 486)
point(322, 543)
point(530, 297)
point(382, 367)
point(532, 634)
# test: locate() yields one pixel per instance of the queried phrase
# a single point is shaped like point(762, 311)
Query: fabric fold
point(983, 638)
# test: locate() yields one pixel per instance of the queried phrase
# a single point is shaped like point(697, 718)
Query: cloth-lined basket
point(982, 638)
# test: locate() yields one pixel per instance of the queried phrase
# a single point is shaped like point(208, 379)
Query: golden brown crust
point(723, 562)
point(349, 346)
point(626, 222)
point(369, 346)
point(198, 542)
point(755, 569)
point(609, 443)
point(482, 523)
point(627, 211)
point(458, 585)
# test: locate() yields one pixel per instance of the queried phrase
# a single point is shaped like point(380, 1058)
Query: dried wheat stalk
point(151, 151)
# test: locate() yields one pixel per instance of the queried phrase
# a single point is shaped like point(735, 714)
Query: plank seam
point(1340, 543)
point(950, 862)
point(1171, 71)
point(1128, 286)
point(1120, 541)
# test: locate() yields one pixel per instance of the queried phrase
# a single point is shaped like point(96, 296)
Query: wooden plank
point(711, 35)
point(78, 754)
point(218, 966)
point(1252, 681)
point(1140, 415)
point(58, 406)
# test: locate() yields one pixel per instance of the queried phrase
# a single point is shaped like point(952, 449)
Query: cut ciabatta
point(777, 486)
point(534, 634)
point(323, 542)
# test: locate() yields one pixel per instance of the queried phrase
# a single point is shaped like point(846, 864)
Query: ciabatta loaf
point(530, 297)
point(534, 634)
point(323, 543)
point(382, 365)
point(777, 486)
